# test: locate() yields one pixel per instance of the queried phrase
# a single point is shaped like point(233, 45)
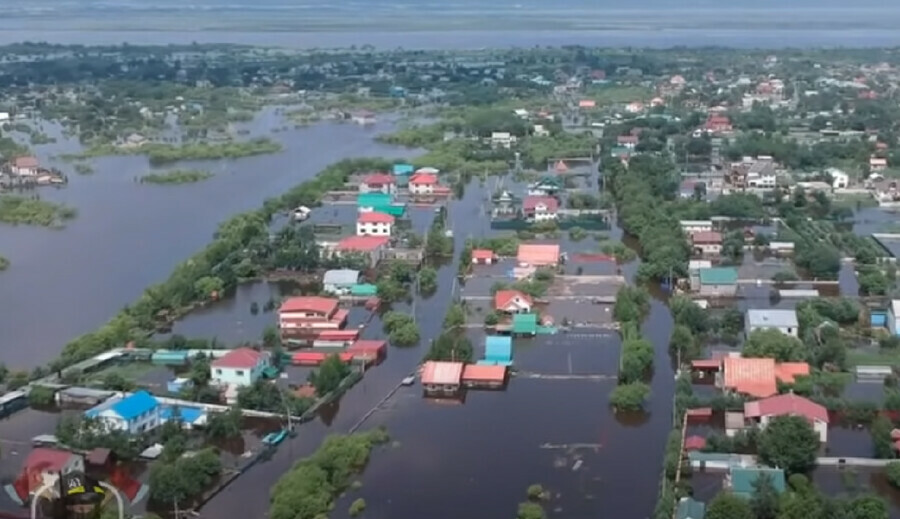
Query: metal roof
point(742, 478)
point(771, 319)
point(718, 276)
point(341, 277)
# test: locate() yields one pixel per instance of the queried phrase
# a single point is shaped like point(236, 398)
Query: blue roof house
point(497, 350)
point(403, 169)
point(187, 417)
point(136, 413)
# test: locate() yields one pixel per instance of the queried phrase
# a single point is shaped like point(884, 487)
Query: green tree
point(729, 506)
point(41, 396)
point(530, 510)
point(682, 343)
point(456, 316)
point(772, 343)
point(225, 425)
point(637, 360)
point(632, 304)
point(789, 442)
point(329, 375)
point(427, 280)
point(687, 313)
point(393, 320)
point(880, 429)
point(116, 382)
point(209, 287)
point(892, 471)
point(357, 507)
point(405, 335)
point(764, 500)
point(629, 397)
point(451, 346)
point(866, 507)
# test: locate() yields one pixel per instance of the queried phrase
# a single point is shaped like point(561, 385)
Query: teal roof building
point(743, 478)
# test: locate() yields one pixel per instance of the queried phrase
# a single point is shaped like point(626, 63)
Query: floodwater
point(129, 235)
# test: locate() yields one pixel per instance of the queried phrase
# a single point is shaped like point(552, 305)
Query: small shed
point(690, 509)
point(878, 318)
point(403, 169)
point(524, 324)
point(364, 290)
point(169, 358)
point(483, 376)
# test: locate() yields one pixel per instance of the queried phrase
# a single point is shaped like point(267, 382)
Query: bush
point(629, 397)
point(892, 471)
point(41, 396)
point(535, 492)
point(530, 511)
point(357, 507)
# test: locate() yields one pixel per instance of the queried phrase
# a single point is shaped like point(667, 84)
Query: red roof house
point(246, 358)
point(442, 377)
point(475, 375)
point(512, 302)
point(306, 314)
point(372, 246)
point(483, 256)
point(759, 377)
point(694, 443)
point(375, 217)
point(378, 183)
point(627, 140)
point(538, 254)
point(718, 123)
point(762, 411)
point(423, 183)
point(540, 207)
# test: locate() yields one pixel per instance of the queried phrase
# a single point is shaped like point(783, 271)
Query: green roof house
point(690, 509)
point(364, 290)
point(718, 281)
point(524, 324)
point(380, 202)
point(741, 479)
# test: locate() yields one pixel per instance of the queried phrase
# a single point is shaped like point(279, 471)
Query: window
point(239, 373)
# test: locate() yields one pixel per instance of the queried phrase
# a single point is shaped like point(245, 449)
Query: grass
point(177, 176)
point(30, 211)
point(852, 199)
point(879, 357)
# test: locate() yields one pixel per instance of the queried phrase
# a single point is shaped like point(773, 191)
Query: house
point(789, 404)
point(893, 318)
point(381, 202)
point(423, 184)
point(524, 324)
point(690, 509)
point(717, 123)
point(483, 257)
point(628, 141)
point(371, 246)
point(502, 140)
point(363, 117)
point(136, 413)
point(784, 321)
point(707, 243)
point(634, 107)
point(339, 282)
point(535, 254)
point(441, 377)
point(512, 302)
point(310, 313)
point(540, 131)
point(378, 183)
point(374, 223)
point(761, 175)
point(759, 377)
point(587, 103)
point(877, 164)
point(25, 166)
point(400, 170)
point(545, 186)
point(497, 350)
point(839, 179)
point(186, 417)
point(44, 465)
point(540, 208)
point(718, 281)
point(691, 226)
point(741, 479)
point(483, 376)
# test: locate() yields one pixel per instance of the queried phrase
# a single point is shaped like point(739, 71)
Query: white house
point(339, 281)
point(784, 321)
point(540, 131)
point(839, 179)
point(135, 414)
point(374, 223)
point(422, 184)
point(239, 367)
point(761, 412)
point(25, 166)
point(512, 302)
point(540, 208)
point(502, 140)
point(878, 164)
point(893, 318)
point(378, 183)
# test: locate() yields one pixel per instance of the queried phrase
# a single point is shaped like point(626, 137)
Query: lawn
point(867, 357)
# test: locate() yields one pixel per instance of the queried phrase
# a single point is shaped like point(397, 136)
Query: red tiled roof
point(319, 305)
point(308, 357)
point(482, 254)
point(706, 363)
point(478, 373)
point(538, 254)
point(503, 298)
point(706, 237)
point(587, 103)
point(378, 179)
point(788, 404)
point(531, 202)
point(364, 346)
point(362, 243)
point(627, 139)
point(788, 372)
point(25, 162)
point(43, 459)
point(700, 412)
point(694, 443)
point(755, 377)
point(339, 335)
point(239, 358)
point(444, 373)
point(375, 217)
point(423, 178)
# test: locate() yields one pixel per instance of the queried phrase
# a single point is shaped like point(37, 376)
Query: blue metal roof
point(403, 169)
point(185, 414)
point(135, 405)
point(498, 348)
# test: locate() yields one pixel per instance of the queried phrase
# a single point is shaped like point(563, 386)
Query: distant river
point(128, 235)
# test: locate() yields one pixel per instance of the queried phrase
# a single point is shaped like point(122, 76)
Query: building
point(717, 123)
point(497, 350)
point(762, 411)
point(707, 243)
point(758, 377)
point(483, 376)
point(839, 179)
point(587, 103)
point(44, 465)
point(693, 226)
point(441, 378)
point(878, 164)
point(239, 367)
point(381, 202)
point(371, 246)
point(690, 509)
point(363, 117)
point(310, 313)
point(628, 141)
point(545, 186)
point(784, 321)
point(718, 281)
point(538, 255)
point(512, 302)
point(25, 166)
point(502, 140)
point(340, 282)
point(761, 175)
point(893, 317)
point(400, 170)
point(741, 479)
point(374, 223)
point(540, 208)
point(483, 257)
point(524, 324)
point(136, 413)
point(378, 183)
point(423, 184)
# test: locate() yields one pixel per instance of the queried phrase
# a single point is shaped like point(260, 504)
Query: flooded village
point(667, 292)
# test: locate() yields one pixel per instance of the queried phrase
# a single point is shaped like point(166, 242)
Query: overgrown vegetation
point(177, 176)
point(19, 210)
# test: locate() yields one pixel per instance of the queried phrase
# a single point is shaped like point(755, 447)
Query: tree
point(405, 335)
point(764, 500)
point(770, 342)
point(456, 316)
point(866, 507)
point(535, 492)
point(682, 343)
point(731, 323)
point(41, 396)
point(357, 507)
point(733, 245)
point(629, 397)
point(225, 425)
point(451, 346)
point(729, 506)
point(393, 320)
point(427, 280)
point(789, 442)
point(116, 382)
point(880, 429)
point(892, 471)
point(637, 360)
point(329, 375)
point(209, 287)
point(687, 313)
point(632, 304)
point(530, 510)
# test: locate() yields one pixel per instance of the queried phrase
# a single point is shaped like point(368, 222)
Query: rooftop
point(375, 217)
point(690, 509)
point(128, 407)
point(742, 479)
point(245, 358)
point(538, 254)
point(771, 319)
point(482, 254)
point(443, 373)
point(531, 203)
point(378, 179)
point(314, 304)
point(718, 276)
point(502, 298)
point(754, 377)
point(362, 243)
point(423, 178)
point(787, 404)
point(483, 373)
point(706, 237)
point(341, 277)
